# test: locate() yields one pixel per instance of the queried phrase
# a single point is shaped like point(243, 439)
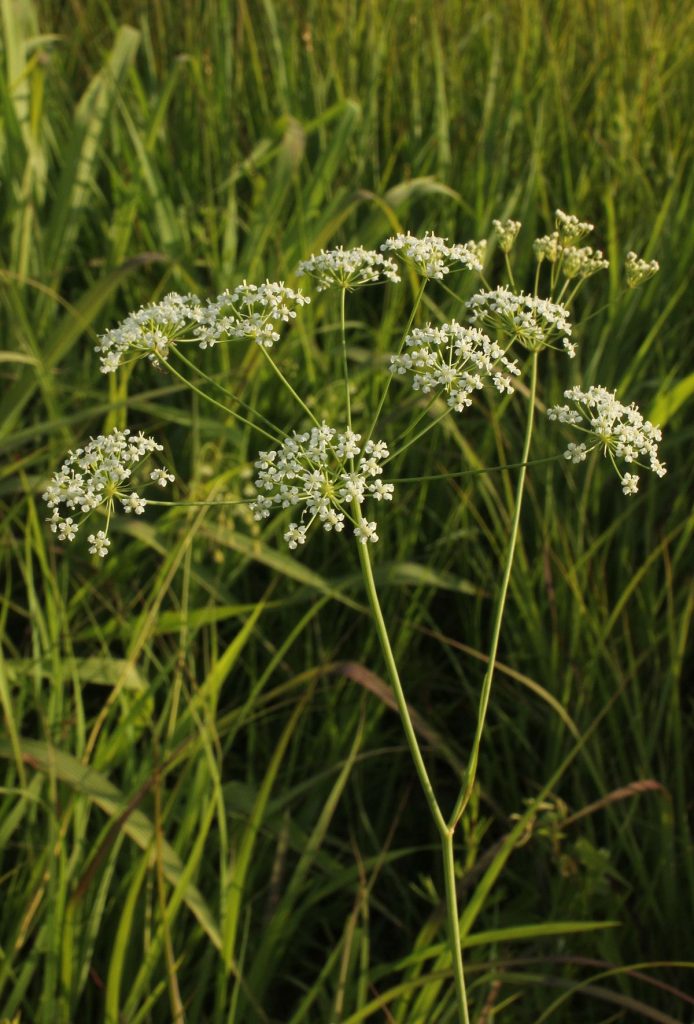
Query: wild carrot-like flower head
point(507, 230)
point(323, 473)
point(348, 268)
point(619, 430)
point(533, 322)
point(454, 360)
point(638, 270)
point(431, 256)
point(97, 476)
point(249, 312)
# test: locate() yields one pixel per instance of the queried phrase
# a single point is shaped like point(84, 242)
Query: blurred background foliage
point(208, 813)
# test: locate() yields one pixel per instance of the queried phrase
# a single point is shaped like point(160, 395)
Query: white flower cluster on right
point(534, 322)
point(431, 256)
point(318, 471)
point(348, 268)
point(560, 247)
point(454, 359)
point(248, 312)
point(638, 270)
point(620, 430)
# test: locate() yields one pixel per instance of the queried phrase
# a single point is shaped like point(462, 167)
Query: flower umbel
point(248, 312)
point(431, 256)
point(348, 268)
point(456, 360)
point(620, 430)
point(638, 270)
point(318, 472)
point(507, 230)
point(99, 475)
point(533, 322)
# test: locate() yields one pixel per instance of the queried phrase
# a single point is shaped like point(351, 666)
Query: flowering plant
point(332, 477)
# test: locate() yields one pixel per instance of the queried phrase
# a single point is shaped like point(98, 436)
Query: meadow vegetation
point(208, 808)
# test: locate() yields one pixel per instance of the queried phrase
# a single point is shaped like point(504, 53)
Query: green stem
point(453, 920)
point(382, 401)
point(410, 735)
point(509, 271)
point(287, 385)
point(417, 436)
point(213, 401)
point(345, 369)
point(225, 391)
point(445, 831)
point(466, 792)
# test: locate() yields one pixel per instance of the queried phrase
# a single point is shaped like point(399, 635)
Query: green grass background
point(206, 800)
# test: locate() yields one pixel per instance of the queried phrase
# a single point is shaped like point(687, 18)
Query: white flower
point(583, 262)
point(150, 331)
point(162, 477)
point(431, 256)
point(99, 475)
point(323, 473)
point(638, 270)
point(507, 230)
point(99, 544)
point(134, 503)
point(630, 483)
point(456, 360)
point(366, 532)
point(548, 247)
point(620, 430)
point(534, 322)
point(576, 452)
point(570, 228)
point(348, 268)
point(248, 312)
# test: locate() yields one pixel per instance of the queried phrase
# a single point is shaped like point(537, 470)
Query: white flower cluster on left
point(326, 474)
point(456, 360)
point(248, 312)
point(96, 475)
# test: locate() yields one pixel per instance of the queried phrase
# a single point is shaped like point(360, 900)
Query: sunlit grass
point(199, 754)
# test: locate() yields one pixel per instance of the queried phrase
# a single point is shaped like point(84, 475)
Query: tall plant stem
point(345, 368)
point(453, 920)
point(384, 640)
point(288, 386)
point(220, 405)
point(220, 387)
point(445, 832)
point(471, 774)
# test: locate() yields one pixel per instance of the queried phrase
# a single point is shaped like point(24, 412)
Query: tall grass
point(208, 812)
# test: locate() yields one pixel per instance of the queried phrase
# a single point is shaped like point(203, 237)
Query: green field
point(208, 812)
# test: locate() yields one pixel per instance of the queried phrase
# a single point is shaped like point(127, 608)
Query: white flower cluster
point(455, 359)
point(251, 312)
point(96, 475)
point(318, 471)
point(431, 256)
point(638, 270)
point(248, 312)
point(620, 430)
point(507, 230)
point(150, 331)
point(583, 262)
point(534, 322)
point(570, 228)
point(348, 268)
